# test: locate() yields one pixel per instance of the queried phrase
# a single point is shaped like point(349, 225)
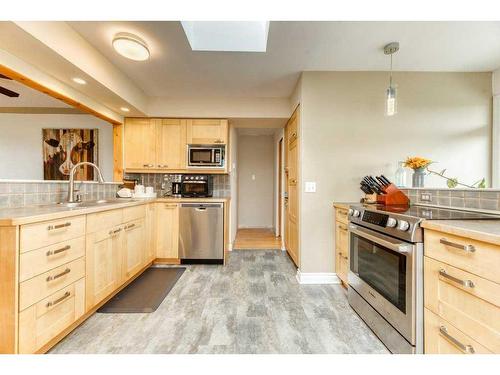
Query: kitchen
point(127, 188)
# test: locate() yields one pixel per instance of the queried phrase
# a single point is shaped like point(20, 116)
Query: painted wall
point(495, 81)
point(345, 135)
point(21, 143)
point(255, 196)
point(278, 193)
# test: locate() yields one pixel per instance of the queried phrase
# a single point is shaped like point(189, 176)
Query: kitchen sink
point(90, 203)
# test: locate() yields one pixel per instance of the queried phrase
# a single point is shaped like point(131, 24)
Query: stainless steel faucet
point(71, 187)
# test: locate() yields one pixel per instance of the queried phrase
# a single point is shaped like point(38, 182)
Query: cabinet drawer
point(134, 213)
point(443, 338)
point(35, 262)
point(44, 320)
point(341, 215)
point(34, 236)
point(103, 220)
point(467, 301)
point(41, 286)
point(479, 258)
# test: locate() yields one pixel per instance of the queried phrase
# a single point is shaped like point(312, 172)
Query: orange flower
point(417, 162)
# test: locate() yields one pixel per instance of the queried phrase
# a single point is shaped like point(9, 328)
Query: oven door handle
point(400, 247)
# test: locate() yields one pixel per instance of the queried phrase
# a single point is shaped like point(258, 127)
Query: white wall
point(21, 152)
point(495, 81)
point(255, 197)
point(345, 135)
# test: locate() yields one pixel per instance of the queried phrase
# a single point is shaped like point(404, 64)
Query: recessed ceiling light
point(80, 81)
point(125, 109)
point(131, 46)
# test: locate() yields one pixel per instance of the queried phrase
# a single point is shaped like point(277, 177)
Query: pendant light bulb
point(391, 100)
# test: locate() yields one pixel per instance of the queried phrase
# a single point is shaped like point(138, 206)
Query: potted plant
point(419, 165)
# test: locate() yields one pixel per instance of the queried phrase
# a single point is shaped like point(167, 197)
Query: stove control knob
point(355, 213)
point(391, 222)
point(350, 211)
point(403, 225)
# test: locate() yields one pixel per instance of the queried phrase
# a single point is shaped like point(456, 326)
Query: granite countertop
point(480, 230)
point(344, 205)
point(33, 214)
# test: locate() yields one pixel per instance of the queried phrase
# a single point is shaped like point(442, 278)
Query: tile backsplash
point(27, 193)
point(162, 183)
point(480, 199)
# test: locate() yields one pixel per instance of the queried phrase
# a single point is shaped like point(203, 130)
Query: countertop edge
point(451, 227)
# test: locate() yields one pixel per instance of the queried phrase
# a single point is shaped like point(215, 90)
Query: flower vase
point(418, 177)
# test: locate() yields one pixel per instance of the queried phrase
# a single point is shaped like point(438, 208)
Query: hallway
point(256, 239)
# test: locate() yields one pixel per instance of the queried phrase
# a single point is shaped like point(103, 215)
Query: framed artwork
point(63, 148)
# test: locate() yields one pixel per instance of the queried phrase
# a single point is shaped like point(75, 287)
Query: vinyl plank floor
point(252, 305)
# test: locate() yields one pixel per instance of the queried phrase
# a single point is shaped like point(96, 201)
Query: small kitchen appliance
point(205, 156)
point(197, 186)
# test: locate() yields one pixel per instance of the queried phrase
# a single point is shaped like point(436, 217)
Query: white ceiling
point(174, 70)
point(28, 97)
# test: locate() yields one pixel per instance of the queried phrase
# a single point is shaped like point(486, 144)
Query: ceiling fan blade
point(9, 93)
point(5, 77)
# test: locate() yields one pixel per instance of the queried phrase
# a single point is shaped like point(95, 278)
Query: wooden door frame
point(280, 187)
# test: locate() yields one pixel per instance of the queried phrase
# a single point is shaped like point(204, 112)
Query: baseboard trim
point(317, 277)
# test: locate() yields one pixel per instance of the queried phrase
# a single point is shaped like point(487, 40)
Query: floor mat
point(145, 293)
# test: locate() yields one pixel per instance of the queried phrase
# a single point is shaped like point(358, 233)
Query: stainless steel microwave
point(200, 156)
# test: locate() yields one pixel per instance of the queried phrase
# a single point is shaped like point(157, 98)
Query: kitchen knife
point(366, 188)
point(377, 185)
point(385, 179)
point(375, 188)
point(382, 181)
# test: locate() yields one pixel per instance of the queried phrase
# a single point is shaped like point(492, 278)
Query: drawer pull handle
point(57, 251)
point(113, 232)
point(129, 226)
point(58, 226)
point(465, 283)
point(466, 248)
point(60, 299)
point(148, 165)
point(343, 227)
point(465, 348)
point(65, 272)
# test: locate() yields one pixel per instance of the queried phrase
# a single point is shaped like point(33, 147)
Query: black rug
point(146, 293)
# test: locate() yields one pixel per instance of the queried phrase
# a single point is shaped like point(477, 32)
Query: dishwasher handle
point(201, 206)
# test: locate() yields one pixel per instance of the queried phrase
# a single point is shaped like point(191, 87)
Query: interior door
point(171, 144)
point(140, 143)
point(292, 178)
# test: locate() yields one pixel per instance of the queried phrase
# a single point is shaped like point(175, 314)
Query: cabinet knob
point(162, 165)
point(148, 165)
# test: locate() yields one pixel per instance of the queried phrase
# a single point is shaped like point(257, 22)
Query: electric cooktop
point(432, 213)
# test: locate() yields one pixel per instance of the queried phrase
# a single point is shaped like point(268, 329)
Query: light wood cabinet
point(140, 143)
point(171, 146)
point(150, 224)
point(103, 265)
point(134, 249)
point(292, 239)
point(207, 131)
point(461, 294)
point(167, 231)
point(341, 244)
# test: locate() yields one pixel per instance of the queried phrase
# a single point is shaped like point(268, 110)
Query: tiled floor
point(252, 305)
point(256, 238)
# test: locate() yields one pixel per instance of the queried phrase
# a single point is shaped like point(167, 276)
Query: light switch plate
point(310, 187)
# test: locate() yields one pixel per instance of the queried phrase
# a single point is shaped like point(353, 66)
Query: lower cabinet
point(43, 321)
point(167, 231)
point(104, 263)
point(150, 230)
point(341, 246)
point(134, 249)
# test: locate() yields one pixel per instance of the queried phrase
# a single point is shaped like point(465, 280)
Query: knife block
point(393, 197)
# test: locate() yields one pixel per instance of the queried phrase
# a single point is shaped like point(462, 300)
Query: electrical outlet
point(426, 197)
point(310, 187)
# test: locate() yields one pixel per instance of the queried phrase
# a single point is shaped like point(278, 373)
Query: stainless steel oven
point(385, 280)
point(199, 156)
point(196, 186)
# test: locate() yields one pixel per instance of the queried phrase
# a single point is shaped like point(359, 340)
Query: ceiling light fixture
point(391, 103)
point(131, 46)
point(125, 109)
point(80, 81)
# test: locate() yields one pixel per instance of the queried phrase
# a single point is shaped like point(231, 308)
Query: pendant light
point(391, 104)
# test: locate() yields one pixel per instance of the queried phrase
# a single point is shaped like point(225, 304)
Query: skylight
point(228, 36)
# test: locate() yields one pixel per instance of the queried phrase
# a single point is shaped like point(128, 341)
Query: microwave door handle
point(213, 155)
point(400, 247)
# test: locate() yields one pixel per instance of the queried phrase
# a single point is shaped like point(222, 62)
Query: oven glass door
point(195, 189)
point(382, 269)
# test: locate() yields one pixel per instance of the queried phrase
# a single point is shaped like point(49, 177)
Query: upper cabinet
point(171, 144)
point(207, 132)
point(160, 144)
point(140, 148)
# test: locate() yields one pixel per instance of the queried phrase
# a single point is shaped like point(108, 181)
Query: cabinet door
point(205, 131)
point(140, 143)
point(341, 251)
point(103, 264)
point(167, 231)
point(171, 146)
point(150, 232)
point(134, 248)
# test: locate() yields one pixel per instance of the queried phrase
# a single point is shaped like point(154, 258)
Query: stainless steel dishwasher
point(201, 233)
